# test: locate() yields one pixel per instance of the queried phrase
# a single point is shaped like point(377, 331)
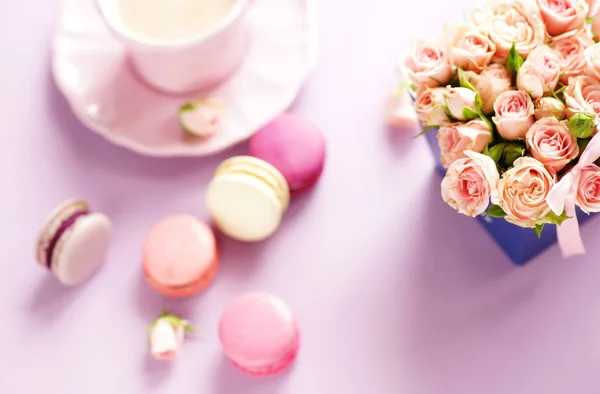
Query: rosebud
point(400, 111)
point(461, 103)
point(201, 118)
point(549, 107)
point(582, 125)
point(166, 336)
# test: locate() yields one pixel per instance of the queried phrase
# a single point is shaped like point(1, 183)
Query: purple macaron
point(295, 146)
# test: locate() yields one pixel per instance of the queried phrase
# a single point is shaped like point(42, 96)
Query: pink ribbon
point(562, 198)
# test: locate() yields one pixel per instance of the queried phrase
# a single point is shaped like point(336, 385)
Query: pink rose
point(549, 107)
point(596, 26)
point(457, 99)
point(564, 16)
point(583, 95)
point(592, 5)
point(514, 114)
point(455, 139)
point(430, 106)
point(508, 22)
point(400, 112)
point(428, 64)
point(470, 48)
point(550, 142)
point(540, 72)
point(523, 191)
point(469, 183)
point(493, 81)
point(166, 336)
point(592, 59)
point(588, 191)
point(570, 52)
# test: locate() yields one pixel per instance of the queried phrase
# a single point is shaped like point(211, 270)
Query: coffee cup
point(180, 56)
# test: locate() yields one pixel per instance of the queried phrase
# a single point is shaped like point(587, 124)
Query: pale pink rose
point(400, 112)
point(491, 82)
point(563, 16)
point(583, 95)
point(592, 5)
point(430, 106)
point(523, 191)
point(570, 52)
point(508, 22)
point(457, 99)
point(596, 26)
point(469, 183)
point(588, 191)
point(550, 142)
point(549, 107)
point(470, 48)
point(592, 59)
point(454, 139)
point(166, 339)
point(428, 64)
point(540, 72)
point(514, 114)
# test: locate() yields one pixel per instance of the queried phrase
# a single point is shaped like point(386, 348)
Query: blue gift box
point(520, 244)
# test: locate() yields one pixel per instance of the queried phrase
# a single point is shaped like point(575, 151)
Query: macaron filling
point(64, 226)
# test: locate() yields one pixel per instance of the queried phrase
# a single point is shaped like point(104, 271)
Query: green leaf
point(479, 102)
point(495, 211)
point(505, 153)
point(190, 106)
point(589, 20)
point(464, 82)
point(406, 85)
point(469, 114)
point(582, 125)
point(426, 130)
point(514, 61)
point(553, 218)
point(538, 229)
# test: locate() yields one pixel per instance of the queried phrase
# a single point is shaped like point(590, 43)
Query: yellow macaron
point(247, 198)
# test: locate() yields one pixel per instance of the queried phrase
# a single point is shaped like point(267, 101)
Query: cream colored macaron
point(247, 198)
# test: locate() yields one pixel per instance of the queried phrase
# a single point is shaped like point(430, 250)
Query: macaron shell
point(180, 255)
point(82, 249)
point(260, 169)
point(295, 146)
point(187, 290)
point(53, 223)
point(243, 207)
point(259, 334)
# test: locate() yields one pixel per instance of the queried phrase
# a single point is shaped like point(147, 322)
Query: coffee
point(172, 20)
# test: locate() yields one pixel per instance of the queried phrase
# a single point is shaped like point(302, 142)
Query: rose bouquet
point(514, 96)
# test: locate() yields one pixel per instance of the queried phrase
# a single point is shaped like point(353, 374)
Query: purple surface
point(394, 292)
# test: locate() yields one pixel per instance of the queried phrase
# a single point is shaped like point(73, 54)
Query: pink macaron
point(295, 146)
point(259, 334)
point(180, 256)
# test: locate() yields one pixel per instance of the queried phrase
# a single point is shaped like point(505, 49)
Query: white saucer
point(91, 70)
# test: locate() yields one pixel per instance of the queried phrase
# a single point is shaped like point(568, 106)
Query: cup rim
point(121, 30)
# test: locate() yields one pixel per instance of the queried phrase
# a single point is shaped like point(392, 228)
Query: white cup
point(196, 64)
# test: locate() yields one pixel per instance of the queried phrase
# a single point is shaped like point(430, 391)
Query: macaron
point(295, 146)
point(259, 334)
point(180, 256)
point(247, 198)
point(73, 242)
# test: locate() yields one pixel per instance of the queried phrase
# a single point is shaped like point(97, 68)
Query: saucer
point(91, 70)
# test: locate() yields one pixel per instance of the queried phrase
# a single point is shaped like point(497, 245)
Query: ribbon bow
point(562, 198)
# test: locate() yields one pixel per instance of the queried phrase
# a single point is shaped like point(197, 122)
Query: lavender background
point(394, 291)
